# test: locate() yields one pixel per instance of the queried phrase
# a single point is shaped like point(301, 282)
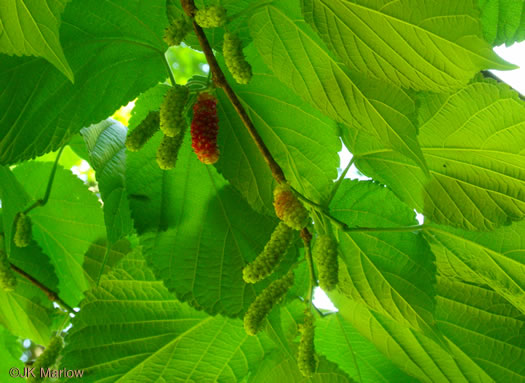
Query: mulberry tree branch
point(220, 81)
point(52, 296)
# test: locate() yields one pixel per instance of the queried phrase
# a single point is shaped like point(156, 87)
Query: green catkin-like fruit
point(177, 31)
point(47, 359)
point(262, 305)
point(211, 17)
point(240, 69)
point(172, 121)
point(7, 276)
point(306, 361)
point(271, 256)
point(325, 257)
point(22, 236)
point(168, 150)
point(143, 132)
point(288, 208)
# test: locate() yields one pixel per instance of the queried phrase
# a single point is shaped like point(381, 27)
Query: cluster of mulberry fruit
point(211, 17)
point(47, 359)
point(288, 208)
point(262, 305)
point(236, 63)
point(325, 257)
point(7, 276)
point(271, 256)
point(142, 133)
point(171, 121)
point(204, 129)
point(23, 230)
point(177, 31)
point(306, 361)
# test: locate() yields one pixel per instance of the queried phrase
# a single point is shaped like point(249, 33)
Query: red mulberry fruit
point(47, 359)
point(270, 257)
point(22, 236)
point(240, 69)
point(172, 120)
point(176, 32)
point(288, 208)
point(325, 257)
point(143, 132)
point(204, 129)
point(262, 305)
point(211, 17)
point(306, 361)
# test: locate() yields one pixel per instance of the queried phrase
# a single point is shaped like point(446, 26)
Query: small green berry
point(22, 236)
point(177, 31)
point(211, 17)
point(168, 150)
point(172, 120)
point(263, 304)
point(325, 257)
point(306, 361)
point(271, 256)
point(240, 69)
point(143, 132)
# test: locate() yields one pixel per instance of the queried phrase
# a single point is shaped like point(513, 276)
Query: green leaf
point(411, 351)
point(27, 312)
point(281, 365)
point(159, 339)
point(473, 143)
point(299, 60)
point(30, 27)
point(66, 226)
point(10, 353)
point(303, 141)
point(95, 257)
point(105, 143)
point(435, 47)
point(279, 368)
point(115, 50)
point(483, 326)
point(30, 259)
point(502, 21)
point(208, 224)
point(393, 273)
point(495, 258)
point(339, 342)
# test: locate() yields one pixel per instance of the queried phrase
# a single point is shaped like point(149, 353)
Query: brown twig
point(50, 294)
point(220, 81)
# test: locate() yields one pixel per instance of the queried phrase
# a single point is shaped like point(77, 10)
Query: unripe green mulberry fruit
point(172, 120)
point(270, 257)
point(47, 359)
point(168, 150)
point(240, 69)
point(177, 31)
point(325, 257)
point(262, 305)
point(204, 129)
point(7, 276)
point(211, 17)
point(306, 361)
point(22, 236)
point(143, 132)
point(288, 208)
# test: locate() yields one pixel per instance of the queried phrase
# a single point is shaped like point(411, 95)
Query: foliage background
point(153, 259)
